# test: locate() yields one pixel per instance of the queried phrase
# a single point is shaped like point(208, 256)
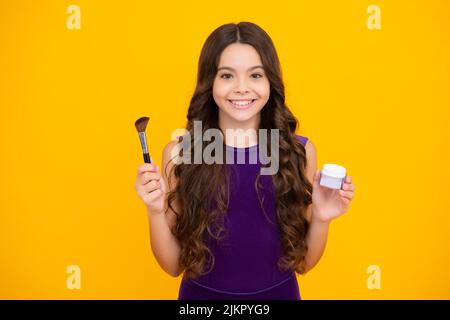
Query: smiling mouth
point(242, 104)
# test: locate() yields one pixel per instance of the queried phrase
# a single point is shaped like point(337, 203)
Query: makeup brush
point(140, 125)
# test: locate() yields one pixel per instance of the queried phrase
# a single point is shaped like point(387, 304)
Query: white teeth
point(241, 103)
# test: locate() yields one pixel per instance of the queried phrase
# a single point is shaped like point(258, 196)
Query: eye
point(225, 74)
point(257, 74)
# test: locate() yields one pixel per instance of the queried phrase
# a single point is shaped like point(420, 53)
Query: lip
point(242, 107)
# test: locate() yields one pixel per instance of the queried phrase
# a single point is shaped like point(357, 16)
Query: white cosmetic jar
point(332, 176)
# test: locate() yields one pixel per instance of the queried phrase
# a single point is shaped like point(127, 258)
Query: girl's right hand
point(151, 187)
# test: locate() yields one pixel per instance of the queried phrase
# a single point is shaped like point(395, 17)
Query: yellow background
point(375, 101)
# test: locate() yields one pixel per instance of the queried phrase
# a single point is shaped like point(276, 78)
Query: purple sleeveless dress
point(246, 260)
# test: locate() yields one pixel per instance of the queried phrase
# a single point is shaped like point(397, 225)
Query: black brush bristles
point(141, 124)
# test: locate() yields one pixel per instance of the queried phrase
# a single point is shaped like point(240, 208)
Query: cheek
point(220, 90)
point(218, 98)
point(263, 90)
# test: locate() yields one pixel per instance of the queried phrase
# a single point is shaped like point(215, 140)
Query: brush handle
point(147, 158)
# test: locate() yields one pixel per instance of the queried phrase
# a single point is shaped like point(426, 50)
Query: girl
point(237, 234)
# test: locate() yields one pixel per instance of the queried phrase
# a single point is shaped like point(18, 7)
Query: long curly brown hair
point(200, 186)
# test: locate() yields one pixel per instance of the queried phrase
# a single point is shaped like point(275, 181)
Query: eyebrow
point(229, 68)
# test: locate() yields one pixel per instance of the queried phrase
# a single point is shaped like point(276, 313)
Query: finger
point(144, 168)
point(151, 186)
point(348, 179)
point(147, 167)
point(346, 201)
point(146, 177)
point(153, 195)
point(348, 187)
point(346, 194)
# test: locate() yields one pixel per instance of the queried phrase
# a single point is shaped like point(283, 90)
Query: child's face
point(235, 88)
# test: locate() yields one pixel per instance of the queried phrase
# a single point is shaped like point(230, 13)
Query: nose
point(241, 87)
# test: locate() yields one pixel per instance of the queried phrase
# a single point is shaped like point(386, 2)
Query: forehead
point(239, 56)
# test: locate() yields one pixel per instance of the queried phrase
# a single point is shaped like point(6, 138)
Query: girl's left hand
point(330, 203)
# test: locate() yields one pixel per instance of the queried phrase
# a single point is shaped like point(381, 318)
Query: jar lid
point(333, 170)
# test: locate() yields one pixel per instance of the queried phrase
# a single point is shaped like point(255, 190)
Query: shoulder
point(170, 147)
point(170, 156)
point(307, 143)
point(171, 151)
point(311, 155)
point(303, 140)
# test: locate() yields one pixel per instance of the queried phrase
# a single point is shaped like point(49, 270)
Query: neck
point(240, 134)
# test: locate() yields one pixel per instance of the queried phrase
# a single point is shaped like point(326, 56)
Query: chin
point(241, 116)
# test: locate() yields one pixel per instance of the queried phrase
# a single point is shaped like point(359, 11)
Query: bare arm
point(327, 204)
point(316, 238)
point(165, 246)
